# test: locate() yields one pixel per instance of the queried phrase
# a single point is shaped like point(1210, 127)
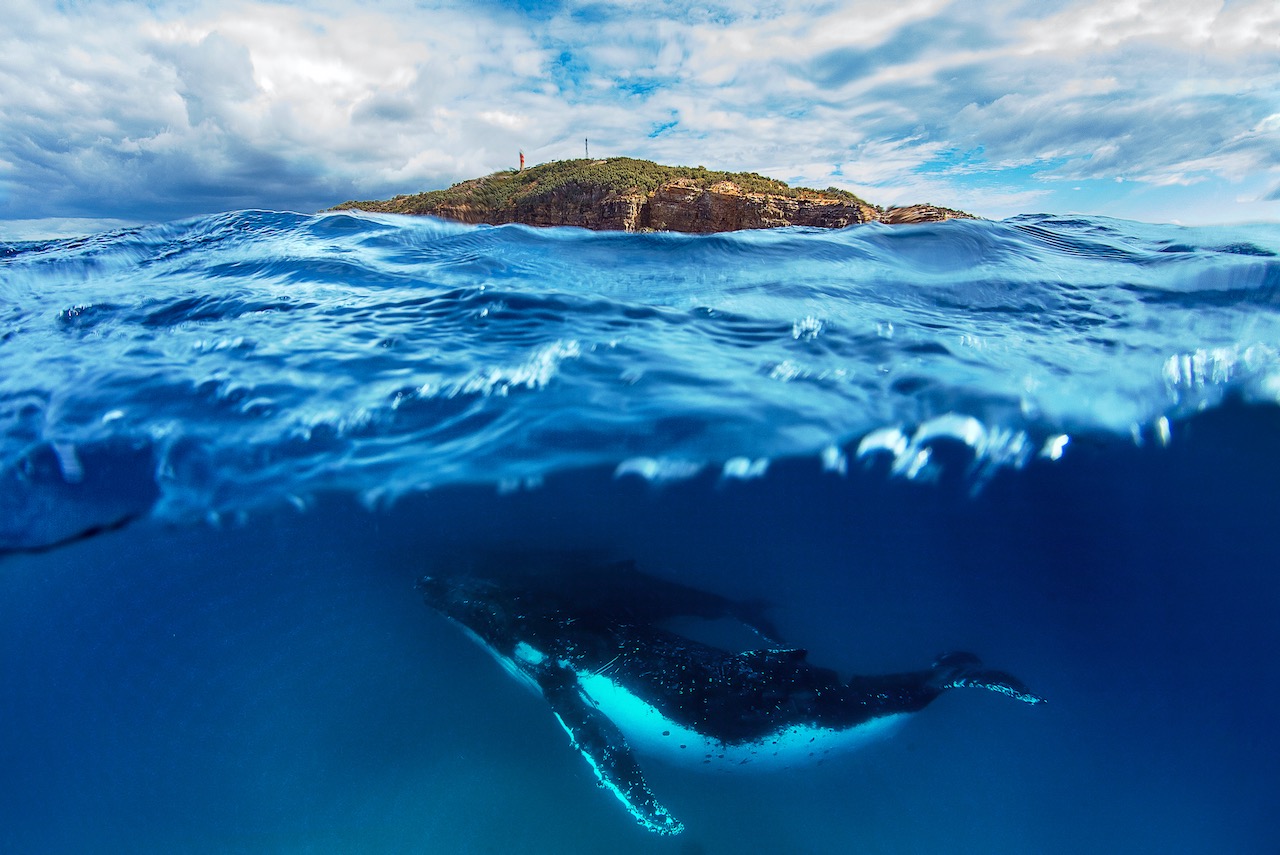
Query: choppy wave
point(211, 365)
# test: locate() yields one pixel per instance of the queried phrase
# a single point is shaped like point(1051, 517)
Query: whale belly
point(650, 732)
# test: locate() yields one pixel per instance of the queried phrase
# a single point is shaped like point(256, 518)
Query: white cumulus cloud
point(145, 112)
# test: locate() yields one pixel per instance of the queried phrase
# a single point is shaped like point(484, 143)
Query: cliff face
point(681, 206)
point(922, 214)
point(622, 194)
point(588, 207)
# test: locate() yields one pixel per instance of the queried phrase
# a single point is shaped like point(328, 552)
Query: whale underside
point(595, 641)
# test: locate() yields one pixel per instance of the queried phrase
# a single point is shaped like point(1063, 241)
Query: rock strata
point(682, 206)
point(624, 194)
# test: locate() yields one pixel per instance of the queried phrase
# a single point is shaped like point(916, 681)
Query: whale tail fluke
point(961, 670)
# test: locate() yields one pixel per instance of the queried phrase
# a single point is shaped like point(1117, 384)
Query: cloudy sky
point(123, 112)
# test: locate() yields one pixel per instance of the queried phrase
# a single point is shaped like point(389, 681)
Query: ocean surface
point(230, 445)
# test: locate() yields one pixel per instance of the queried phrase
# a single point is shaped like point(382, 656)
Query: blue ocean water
point(229, 445)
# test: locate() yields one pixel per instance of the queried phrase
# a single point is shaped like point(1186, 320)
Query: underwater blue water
point(229, 445)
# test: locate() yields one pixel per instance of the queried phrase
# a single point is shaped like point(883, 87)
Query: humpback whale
point(592, 642)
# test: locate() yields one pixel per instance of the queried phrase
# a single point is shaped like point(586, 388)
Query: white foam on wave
point(912, 457)
point(534, 373)
point(744, 468)
point(658, 469)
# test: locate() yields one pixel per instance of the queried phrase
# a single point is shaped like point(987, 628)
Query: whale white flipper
point(605, 748)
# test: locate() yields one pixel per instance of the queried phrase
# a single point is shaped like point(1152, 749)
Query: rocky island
point(626, 194)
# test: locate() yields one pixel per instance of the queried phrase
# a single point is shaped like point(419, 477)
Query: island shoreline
point(631, 195)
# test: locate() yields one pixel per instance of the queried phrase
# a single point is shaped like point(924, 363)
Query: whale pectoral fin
point(605, 748)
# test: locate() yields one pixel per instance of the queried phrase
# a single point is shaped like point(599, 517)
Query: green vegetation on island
point(632, 194)
point(619, 175)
